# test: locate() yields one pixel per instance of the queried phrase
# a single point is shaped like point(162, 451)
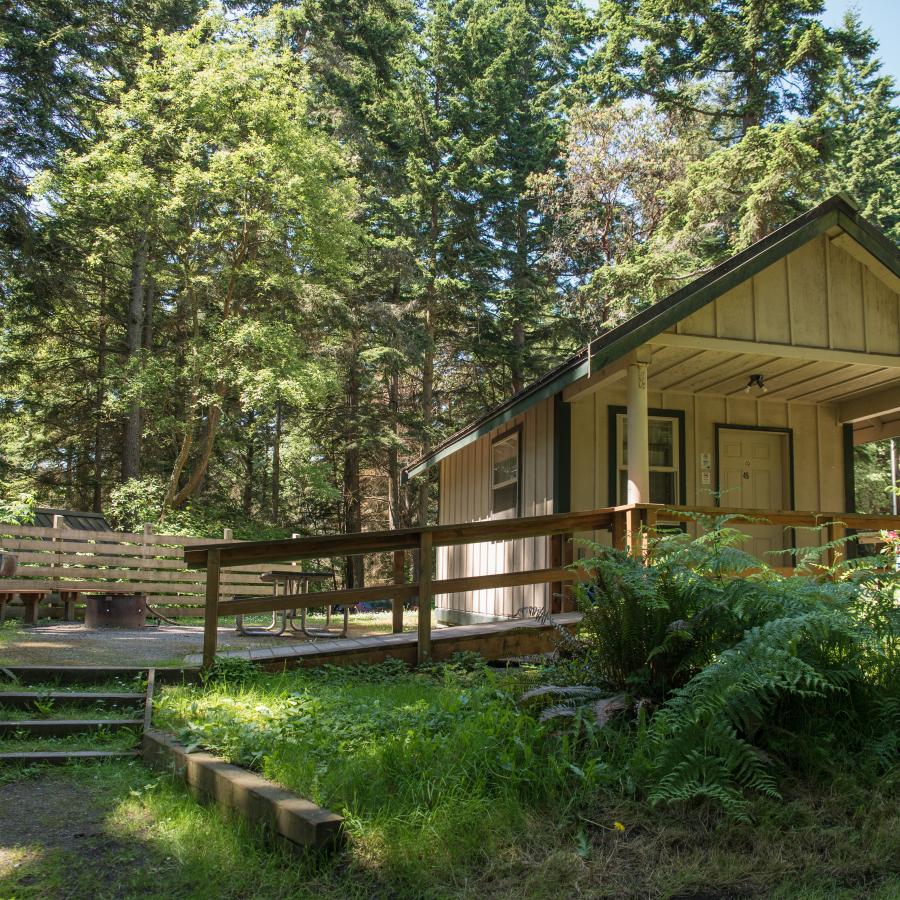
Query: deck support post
point(423, 653)
point(835, 531)
point(633, 535)
point(619, 529)
point(397, 599)
point(211, 611)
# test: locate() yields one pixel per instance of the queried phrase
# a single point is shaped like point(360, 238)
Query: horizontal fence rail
point(164, 568)
point(70, 562)
point(628, 525)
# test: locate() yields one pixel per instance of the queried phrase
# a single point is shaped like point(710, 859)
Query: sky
point(882, 16)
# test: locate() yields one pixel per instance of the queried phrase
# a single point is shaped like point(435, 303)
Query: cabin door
point(754, 474)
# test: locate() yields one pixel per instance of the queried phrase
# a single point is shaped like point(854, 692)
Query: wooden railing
point(215, 557)
point(629, 526)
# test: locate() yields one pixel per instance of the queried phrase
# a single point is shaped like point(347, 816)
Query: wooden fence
point(629, 526)
point(61, 559)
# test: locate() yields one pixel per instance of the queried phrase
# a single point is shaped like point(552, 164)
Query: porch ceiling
point(725, 373)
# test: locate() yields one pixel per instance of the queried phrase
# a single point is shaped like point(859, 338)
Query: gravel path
point(73, 644)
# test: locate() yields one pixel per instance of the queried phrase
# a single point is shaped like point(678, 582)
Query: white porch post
point(638, 453)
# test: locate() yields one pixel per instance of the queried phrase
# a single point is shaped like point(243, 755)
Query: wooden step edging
point(63, 757)
point(63, 727)
point(293, 820)
point(31, 698)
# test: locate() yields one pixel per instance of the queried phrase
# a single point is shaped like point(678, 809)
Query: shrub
point(747, 670)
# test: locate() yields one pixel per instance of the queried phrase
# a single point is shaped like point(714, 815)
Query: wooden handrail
point(233, 554)
point(625, 523)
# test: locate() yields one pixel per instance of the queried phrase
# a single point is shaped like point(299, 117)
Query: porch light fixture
point(757, 381)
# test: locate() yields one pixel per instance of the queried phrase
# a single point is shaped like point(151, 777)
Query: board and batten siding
point(816, 296)
point(818, 446)
point(465, 496)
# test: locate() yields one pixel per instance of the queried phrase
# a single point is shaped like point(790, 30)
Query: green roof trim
point(572, 370)
point(837, 211)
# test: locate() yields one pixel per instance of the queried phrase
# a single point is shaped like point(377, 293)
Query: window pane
point(623, 486)
point(662, 488)
point(506, 459)
point(661, 441)
point(506, 501)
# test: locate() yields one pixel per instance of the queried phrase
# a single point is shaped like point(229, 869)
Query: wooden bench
point(69, 563)
point(31, 600)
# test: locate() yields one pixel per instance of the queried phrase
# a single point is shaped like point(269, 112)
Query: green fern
point(747, 670)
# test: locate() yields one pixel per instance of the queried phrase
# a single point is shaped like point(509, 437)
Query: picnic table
point(31, 598)
point(296, 584)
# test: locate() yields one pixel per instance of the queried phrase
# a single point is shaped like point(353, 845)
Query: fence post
point(555, 600)
point(211, 611)
point(835, 531)
point(424, 638)
point(68, 605)
point(227, 535)
point(619, 531)
point(650, 524)
point(397, 601)
point(145, 554)
point(633, 532)
point(568, 557)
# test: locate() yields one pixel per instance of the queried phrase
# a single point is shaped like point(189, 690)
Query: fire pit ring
point(115, 611)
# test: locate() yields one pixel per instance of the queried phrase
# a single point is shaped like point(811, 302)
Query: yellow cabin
point(746, 389)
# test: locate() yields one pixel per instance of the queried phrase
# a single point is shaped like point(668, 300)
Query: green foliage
point(443, 755)
point(747, 673)
point(18, 510)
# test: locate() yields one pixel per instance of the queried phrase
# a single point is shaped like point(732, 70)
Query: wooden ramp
point(493, 640)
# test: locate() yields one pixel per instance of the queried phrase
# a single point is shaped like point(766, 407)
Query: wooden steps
point(61, 757)
point(31, 698)
point(62, 727)
point(54, 736)
point(91, 674)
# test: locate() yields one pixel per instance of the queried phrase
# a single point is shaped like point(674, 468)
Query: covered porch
point(758, 428)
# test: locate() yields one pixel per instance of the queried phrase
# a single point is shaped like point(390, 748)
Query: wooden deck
point(493, 640)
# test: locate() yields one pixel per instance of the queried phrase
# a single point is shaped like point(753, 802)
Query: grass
point(57, 709)
point(449, 792)
point(117, 830)
point(95, 739)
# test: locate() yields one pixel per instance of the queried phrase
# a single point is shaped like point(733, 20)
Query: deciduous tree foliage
point(254, 262)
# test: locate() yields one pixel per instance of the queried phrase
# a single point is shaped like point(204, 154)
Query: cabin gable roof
point(857, 236)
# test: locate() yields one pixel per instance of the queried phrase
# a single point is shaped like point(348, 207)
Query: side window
point(506, 465)
point(663, 436)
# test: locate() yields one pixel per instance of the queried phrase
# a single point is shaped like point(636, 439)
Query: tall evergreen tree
point(861, 125)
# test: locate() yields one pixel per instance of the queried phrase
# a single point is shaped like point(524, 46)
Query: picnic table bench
point(295, 587)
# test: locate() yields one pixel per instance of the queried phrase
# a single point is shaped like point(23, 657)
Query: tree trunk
point(212, 429)
point(131, 442)
point(149, 301)
point(249, 473)
point(99, 392)
point(352, 501)
point(276, 464)
point(521, 287)
point(393, 461)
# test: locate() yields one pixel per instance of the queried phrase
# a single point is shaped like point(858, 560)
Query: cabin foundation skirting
point(464, 617)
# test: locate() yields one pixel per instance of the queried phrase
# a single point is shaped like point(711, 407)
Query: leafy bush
point(748, 672)
point(140, 500)
point(18, 509)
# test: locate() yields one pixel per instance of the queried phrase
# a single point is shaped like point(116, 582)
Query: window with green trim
point(506, 468)
point(663, 439)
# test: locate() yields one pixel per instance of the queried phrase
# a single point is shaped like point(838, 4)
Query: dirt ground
point(56, 840)
point(74, 644)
